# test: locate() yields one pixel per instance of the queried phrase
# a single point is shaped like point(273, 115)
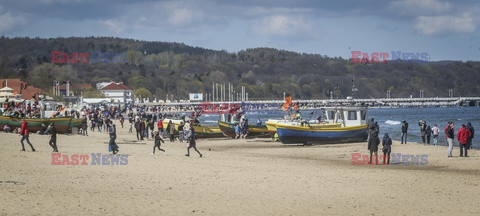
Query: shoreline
point(234, 177)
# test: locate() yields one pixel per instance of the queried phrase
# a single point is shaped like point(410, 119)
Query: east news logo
point(96, 159)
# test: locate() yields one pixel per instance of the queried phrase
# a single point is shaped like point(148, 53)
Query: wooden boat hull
point(272, 125)
point(62, 125)
point(228, 130)
point(288, 134)
point(200, 130)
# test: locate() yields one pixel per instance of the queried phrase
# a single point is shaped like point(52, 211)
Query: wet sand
point(234, 177)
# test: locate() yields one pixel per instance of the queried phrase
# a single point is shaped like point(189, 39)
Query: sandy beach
point(234, 177)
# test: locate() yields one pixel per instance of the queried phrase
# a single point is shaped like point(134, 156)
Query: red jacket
point(463, 135)
point(24, 128)
point(160, 124)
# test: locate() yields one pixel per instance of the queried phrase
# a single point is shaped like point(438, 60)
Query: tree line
point(160, 68)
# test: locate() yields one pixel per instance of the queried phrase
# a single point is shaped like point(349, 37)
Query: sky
point(446, 30)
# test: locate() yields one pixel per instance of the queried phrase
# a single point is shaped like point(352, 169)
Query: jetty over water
point(315, 104)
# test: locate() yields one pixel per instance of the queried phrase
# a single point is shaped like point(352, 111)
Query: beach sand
point(235, 177)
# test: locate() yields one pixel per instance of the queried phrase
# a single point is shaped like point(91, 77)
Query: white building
point(117, 92)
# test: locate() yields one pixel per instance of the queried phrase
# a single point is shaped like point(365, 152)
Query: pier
point(315, 104)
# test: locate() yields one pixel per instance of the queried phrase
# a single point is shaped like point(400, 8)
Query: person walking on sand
point(373, 143)
point(387, 148)
point(192, 143)
point(113, 135)
point(122, 119)
point(429, 134)
point(53, 137)
point(158, 142)
point(130, 120)
point(404, 132)
point(423, 129)
point(463, 135)
point(24, 134)
point(181, 135)
point(435, 131)
point(138, 128)
point(472, 131)
point(186, 130)
point(450, 133)
point(84, 126)
point(171, 130)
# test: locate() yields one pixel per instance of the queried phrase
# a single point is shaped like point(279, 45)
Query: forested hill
point(178, 69)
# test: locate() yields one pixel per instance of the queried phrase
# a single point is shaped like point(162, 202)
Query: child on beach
point(192, 143)
point(237, 131)
point(158, 142)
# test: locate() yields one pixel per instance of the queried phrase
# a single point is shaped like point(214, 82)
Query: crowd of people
point(464, 136)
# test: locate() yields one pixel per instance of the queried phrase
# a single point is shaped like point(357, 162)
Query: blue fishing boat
point(340, 125)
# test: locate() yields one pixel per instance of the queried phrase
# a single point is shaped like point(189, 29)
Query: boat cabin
point(347, 116)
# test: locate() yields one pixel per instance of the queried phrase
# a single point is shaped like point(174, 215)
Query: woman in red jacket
point(463, 136)
point(24, 133)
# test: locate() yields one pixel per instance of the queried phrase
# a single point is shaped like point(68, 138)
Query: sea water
point(389, 120)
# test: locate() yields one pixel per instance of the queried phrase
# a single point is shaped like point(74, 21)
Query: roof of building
point(82, 87)
point(116, 86)
point(20, 87)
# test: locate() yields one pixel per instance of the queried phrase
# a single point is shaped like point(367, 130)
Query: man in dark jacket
point(53, 138)
point(370, 128)
point(404, 131)
point(138, 129)
point(472, 131)
point(373, 146)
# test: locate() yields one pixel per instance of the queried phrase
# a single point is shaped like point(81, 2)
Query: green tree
point(142, 93)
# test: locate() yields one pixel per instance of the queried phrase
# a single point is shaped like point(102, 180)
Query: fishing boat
point(201, 131)
point(35, 124)
point(341, 125)
point(272, 124)
point(228, 130)
point(76, 123)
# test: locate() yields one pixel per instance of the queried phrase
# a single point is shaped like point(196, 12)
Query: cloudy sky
point(446, 30)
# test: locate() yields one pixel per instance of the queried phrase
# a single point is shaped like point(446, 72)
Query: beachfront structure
point(117, 92)
point(21, 90)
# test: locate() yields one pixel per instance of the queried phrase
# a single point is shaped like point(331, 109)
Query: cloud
point(282, 25)
point(420, 7)
point(10, 22)
point(115, 25)
point(183, 16)
point(447, 24)
point(262, 11)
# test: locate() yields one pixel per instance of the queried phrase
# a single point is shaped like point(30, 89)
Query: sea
point(389, 120)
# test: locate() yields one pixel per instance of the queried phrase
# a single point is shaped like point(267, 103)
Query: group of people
point(426, 132)
point(373, 141)
point(25, 133)
point(185, 133)
point(465, 136)
point(241, 129)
